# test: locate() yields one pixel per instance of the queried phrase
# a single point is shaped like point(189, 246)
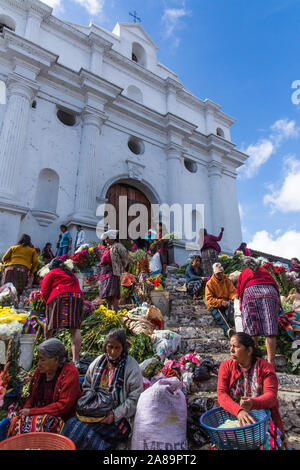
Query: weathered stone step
point(198, 332)
point(193, 320)
point(204, 345)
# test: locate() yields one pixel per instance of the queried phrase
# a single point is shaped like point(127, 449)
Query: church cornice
point(35, 5)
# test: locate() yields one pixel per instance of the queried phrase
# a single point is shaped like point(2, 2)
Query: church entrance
point(134, 196)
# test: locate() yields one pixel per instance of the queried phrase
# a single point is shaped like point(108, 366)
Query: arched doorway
point(134, 196)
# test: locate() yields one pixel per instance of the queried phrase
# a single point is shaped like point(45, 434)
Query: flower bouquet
point(37, 302)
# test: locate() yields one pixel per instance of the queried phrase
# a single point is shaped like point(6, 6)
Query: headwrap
point(192, 256)
point(53, 347)
point(251, 263)
point(112, 234)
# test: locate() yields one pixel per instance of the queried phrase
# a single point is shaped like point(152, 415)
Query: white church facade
point(87, 115)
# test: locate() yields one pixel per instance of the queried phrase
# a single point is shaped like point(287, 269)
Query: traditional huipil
point(210, 251)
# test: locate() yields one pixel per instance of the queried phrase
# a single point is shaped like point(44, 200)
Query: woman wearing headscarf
point(259, 304)
point(247, 382)
point(113, 263)
point(20, 261)
point(47, 254)
point(118, 373)
point(210, 250)
point(53, 392)
point(64, 301)
point(194, 276)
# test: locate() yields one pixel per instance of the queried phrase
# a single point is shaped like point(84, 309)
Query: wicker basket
point(38, 441)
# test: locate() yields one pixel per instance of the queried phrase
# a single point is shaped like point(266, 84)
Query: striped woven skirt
point(209, 257)
point(260, 310)
point(64, 311)
point(35, 423)
point(193, 286)
point(109, 284)
point(17, 274)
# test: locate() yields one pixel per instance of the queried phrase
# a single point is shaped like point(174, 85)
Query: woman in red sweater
point(259, 304)
point(54, 391)
point(246, 382)
point(64, 300)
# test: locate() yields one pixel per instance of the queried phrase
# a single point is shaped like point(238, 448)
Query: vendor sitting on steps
point(219, 291)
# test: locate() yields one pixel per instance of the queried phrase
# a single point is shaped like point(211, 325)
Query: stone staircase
point(199, 333)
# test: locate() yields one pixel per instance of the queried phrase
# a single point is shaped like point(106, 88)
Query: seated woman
point(246, 382)
point(54, 391)
point(244, 249)
point(194, 276)
point(118, 373)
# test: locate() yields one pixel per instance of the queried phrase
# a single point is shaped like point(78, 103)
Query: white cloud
point(286, 245)
point(286, 198)
point(55, 4)
point(260, 152)
point(171, 19)
point(93, 7)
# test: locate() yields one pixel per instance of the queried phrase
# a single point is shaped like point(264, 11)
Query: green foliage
point(141, 347)
point(232, 263)
point(182, 269)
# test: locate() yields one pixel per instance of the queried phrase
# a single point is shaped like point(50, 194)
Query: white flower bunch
point(43, 271)
point(70, 264)
point(261, 260)
point(82, 247)
point(9, 330)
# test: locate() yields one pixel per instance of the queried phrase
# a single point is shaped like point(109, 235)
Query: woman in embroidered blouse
point(54, 391)
point(247, 382)
point(116, 372)
point(113, 264)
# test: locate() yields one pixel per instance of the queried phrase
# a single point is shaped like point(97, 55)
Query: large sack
point(155, 316)
point(161, 418)
point(237, 316)
point(155, 263)
point(137, 324)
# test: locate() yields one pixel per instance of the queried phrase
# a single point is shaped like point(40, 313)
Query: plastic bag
point(166, 343)
point(8, 294)
point(161, 418)
point(237, 316)
point(155, 263)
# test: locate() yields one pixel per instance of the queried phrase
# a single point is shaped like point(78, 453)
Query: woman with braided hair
point(64, 300)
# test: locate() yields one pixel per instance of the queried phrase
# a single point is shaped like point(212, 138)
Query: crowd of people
point(99, 414)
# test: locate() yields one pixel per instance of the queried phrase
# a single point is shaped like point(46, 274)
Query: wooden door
point(134, 196)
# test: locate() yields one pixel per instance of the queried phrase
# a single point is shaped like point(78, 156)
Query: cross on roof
point(135, 17)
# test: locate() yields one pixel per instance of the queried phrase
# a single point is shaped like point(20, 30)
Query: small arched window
point(190, 165)
point(7, 22)
point(135, 93)
point(139, 54)
point(136, 145)
point(66, 117)
point(220, 132)
point(47, 190)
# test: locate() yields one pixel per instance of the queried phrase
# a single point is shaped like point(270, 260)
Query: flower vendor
point(243, 248)
point(194, 276)
point(47, 254)
point(246, 382)
point(210, 250)
point(65, 243)
point(162, 247)
point(118, 373)
point(20, 261)
point(54, 391)
point(259, 303)
point(113, 263)
point(219, 292)
point(64, 301)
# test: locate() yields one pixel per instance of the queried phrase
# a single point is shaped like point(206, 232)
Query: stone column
point(86, 188)
point(174, 172)
point(13, 137)
point(33, 25)
point(217, 215)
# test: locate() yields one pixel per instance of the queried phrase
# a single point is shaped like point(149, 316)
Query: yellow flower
point(91, 249)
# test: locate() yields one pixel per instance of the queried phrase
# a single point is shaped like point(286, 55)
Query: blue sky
point(244, 56)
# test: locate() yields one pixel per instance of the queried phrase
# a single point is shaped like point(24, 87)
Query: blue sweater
point(192, 275)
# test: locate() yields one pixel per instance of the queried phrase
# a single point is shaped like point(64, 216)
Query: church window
point(136, 146)
point(33, 104)
point(7, 22)
point(220, 132)
point(66, 117)
point(135, 93)
point(139, 54)
point(47, 190)
point(190, 165)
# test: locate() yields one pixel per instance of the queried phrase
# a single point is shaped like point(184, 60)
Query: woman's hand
point(109, 418)
point(246, 403)
point(244, 418)
point(24, 412)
